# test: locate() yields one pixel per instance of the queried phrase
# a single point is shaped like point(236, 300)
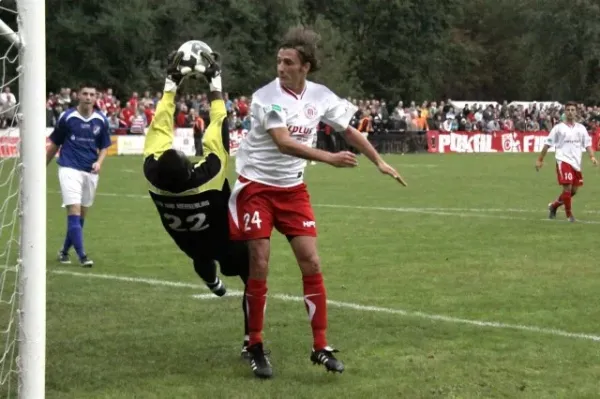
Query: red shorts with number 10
point(255, 208)
point(566, 174)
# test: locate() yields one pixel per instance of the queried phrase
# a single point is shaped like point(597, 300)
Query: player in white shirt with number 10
point(569, 139)
point(270, 191)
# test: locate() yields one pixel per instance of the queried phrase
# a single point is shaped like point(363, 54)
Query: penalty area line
point(342, 305)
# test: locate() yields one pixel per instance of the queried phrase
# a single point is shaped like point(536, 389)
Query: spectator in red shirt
point(128, 113)
point(242, 107)
point(133, 101)
point(181, 119)
point(149, 111)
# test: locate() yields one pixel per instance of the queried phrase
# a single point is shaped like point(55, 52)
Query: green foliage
point(395, 49)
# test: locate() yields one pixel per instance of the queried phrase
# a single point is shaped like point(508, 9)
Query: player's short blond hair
point(304, 41)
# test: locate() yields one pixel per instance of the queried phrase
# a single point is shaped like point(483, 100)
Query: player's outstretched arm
point(216, 137)
point(160, 133)
point(358, 141)
point(211, 172)
point(287, 145)
point(274, 120)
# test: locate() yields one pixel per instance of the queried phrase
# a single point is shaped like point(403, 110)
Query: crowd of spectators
point(133, 115)
point(374, 116)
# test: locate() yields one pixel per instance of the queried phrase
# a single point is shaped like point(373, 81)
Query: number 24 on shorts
point(252, 219)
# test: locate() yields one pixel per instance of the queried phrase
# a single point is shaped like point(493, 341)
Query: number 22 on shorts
point(250, 219)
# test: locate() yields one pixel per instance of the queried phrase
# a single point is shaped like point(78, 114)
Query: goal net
point(22, 199)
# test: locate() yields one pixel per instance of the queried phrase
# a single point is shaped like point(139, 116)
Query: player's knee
point(305, 249)
point(74, 209)
point(310, 264)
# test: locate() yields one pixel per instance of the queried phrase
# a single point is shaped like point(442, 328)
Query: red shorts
point(255, 208)
point(566, 174)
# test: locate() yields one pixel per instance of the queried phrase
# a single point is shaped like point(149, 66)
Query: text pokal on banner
point(479, 142)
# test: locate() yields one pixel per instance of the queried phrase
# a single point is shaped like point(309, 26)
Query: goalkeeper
point(191, 199)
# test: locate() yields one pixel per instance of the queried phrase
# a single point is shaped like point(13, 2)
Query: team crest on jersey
point(310, 111)
point(96, 130)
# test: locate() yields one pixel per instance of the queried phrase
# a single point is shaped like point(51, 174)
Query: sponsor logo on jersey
point(310, 111)
point(300, 130)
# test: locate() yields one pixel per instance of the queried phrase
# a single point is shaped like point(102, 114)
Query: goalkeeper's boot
point(217, 288)
point(326, 358)
point(86, 262)
point(259, 361)
point(551, 211)
point(63, 257)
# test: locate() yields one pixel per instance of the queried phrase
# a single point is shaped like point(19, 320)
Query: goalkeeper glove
point(213, 71)
point(177, 70)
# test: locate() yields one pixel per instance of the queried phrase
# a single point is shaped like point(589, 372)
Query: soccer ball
point(191, 55)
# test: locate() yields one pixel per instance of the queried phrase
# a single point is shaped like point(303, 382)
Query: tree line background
point(394, 49)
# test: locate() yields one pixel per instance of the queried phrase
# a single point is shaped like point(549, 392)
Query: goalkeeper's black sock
point(207, 270)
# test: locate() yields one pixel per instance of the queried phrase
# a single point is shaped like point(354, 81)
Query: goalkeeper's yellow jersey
point(210, 173)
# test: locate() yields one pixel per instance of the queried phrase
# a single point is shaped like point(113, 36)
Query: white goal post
point(30, 115)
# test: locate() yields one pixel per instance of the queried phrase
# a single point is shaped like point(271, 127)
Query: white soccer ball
point(191, 56)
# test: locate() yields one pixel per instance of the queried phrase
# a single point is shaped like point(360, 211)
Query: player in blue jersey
point(83, 137)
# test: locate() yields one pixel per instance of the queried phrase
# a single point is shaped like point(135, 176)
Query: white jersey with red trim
point(569, 142)
point(274, 106)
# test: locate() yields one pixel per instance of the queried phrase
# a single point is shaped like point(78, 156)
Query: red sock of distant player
point(558, 202)
point(566, 197)
point(315, 299)
point(256, 300)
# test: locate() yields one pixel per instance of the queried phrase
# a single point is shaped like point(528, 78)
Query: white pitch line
point(449, 212)
point(474, 212)
point(345, 305)
point(213, 296)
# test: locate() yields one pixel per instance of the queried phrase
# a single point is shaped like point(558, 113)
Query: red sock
point(558, 202)
point(566, 198)
point(315, 299)
point(256, 300)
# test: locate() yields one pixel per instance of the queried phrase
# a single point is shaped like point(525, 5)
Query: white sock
point(170, 85)
point(215, 84)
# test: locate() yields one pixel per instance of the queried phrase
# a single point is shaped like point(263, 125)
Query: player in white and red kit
point(569, 139)
point(270, 191)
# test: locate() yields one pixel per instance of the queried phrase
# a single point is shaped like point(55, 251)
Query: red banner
point(465, 142)
point(9, 146)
